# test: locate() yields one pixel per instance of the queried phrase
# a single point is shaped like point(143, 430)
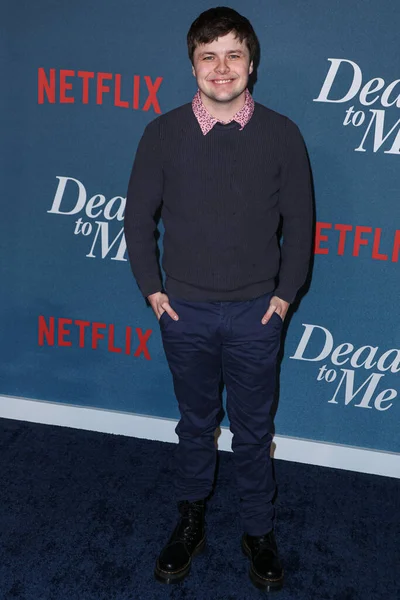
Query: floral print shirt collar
point(207, 121)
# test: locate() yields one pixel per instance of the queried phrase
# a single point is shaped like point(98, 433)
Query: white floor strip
point(151, 428)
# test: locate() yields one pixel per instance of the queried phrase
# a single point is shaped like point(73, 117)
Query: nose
point(222, 67)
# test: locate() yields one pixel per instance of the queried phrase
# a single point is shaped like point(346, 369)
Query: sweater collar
point(207, 121)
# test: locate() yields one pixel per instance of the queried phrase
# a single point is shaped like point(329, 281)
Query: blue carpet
point(83, 516)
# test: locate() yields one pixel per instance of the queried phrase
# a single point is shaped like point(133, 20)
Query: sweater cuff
point(284, 294)
point(150, 287)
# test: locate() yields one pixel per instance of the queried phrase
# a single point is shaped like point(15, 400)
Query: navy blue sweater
point(222, 197)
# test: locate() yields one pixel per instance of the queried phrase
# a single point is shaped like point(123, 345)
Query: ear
point(193, 71)
point(251, 68)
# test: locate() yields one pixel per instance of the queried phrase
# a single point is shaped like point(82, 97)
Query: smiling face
point(222, 69)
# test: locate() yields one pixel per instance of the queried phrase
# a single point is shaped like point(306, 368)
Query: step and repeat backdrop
point(80, 81)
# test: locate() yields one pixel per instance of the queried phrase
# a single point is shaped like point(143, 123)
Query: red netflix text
point(67, 87)
point(85, 334)
point(357, 240)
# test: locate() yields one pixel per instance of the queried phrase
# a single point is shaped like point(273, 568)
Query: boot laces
point(263, 542)
point(190, 521)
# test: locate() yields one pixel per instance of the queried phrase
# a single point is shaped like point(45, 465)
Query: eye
point(208, 57)
point(234, 56)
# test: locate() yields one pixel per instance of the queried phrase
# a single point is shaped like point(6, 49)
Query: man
point(226, 170)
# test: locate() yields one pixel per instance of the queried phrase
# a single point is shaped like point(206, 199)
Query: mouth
point(222, 81)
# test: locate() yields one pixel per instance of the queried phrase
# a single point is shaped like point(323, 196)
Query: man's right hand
point(160, 304)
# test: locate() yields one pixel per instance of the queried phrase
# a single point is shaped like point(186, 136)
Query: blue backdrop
point(81, 81)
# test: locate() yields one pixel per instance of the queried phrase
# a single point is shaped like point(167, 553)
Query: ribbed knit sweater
point(222, 197)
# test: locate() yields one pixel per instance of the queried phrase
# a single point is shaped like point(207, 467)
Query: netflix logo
point(357, 240)
point(78, 333)
point(65, 86)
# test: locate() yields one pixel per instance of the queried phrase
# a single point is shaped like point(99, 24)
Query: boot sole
point(268, 585)
point(177, 576)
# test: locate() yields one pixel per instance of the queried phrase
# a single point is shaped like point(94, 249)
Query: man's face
point(222, 68)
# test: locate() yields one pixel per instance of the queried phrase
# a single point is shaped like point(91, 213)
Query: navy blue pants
point(211, 339)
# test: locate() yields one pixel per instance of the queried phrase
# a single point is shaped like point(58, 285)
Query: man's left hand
point(276, 305)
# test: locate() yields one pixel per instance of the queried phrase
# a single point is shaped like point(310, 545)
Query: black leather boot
point(187, 540)
point(265, 569)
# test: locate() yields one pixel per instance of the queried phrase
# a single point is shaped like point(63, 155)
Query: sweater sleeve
point(144, 196)
point(296, 208)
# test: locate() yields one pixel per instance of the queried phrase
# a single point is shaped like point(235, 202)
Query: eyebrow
point(228, 52)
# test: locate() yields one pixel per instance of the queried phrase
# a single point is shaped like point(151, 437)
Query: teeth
point(222, 80)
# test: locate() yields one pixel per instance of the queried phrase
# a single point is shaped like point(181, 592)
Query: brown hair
point(217, 22)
